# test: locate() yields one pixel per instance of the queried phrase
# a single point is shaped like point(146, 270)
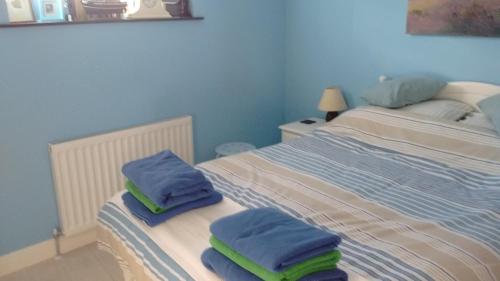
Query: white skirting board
point(42, 251)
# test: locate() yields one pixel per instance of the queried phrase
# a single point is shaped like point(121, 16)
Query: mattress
point(412, 198)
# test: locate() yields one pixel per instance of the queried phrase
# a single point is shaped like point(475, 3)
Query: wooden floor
point(85, 264)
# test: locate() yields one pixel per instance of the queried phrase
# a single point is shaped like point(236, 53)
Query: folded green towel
point(321, 263)
point(136, 192)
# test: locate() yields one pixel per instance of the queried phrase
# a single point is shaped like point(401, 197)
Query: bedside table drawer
point(286, 136)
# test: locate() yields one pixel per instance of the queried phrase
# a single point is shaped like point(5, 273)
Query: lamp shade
point(332, 100)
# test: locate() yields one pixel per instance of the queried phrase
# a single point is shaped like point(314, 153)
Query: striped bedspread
point(412, 198)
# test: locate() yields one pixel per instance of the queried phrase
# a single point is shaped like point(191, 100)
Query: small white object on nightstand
point(297, 129)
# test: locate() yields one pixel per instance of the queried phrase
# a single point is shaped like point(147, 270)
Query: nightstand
point(297, 129)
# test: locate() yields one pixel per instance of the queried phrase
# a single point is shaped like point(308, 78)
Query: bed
point(413, 198)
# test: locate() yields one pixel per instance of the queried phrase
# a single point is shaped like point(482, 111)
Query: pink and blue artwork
point(454, 17)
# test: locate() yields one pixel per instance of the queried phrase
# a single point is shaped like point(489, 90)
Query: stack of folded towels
point(266, 244)
point(163, 186)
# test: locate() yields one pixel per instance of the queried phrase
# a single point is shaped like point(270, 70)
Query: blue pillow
point(403, 91)
point(491, 107)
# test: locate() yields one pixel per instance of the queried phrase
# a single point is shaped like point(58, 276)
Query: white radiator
point(87, 172)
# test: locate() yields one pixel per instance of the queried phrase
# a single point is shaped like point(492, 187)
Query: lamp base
point(331, 115)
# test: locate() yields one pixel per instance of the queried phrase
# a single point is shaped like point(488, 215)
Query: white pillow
point(478, 119)
point(443, 109)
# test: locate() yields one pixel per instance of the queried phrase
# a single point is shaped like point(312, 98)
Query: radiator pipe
point(56, 234)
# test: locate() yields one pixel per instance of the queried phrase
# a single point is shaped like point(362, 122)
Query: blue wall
point(4, 16)
point(229, 71)
point(351, 43)
point(65, 82)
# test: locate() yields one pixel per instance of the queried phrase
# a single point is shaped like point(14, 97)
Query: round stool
point(233, 148)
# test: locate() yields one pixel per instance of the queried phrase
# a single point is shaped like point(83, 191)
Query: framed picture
point(49, 10)
point(454, 17)
point(20, 11)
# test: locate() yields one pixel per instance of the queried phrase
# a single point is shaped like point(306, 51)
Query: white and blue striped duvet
point(412, 199)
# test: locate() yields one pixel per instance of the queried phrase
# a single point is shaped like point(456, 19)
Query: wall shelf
point(27, 24)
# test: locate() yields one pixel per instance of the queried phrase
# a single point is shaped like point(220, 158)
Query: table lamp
point(332, 102)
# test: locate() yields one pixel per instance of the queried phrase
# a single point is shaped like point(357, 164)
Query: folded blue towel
point(151, 219)
point(273, 239)
point(167, 180)
point(224, 267)
point(229, 271)
point(332, 275)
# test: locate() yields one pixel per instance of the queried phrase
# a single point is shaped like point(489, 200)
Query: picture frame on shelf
point(49, 10)
point(20, 11)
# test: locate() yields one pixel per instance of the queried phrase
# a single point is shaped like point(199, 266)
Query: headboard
point(468, 92)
